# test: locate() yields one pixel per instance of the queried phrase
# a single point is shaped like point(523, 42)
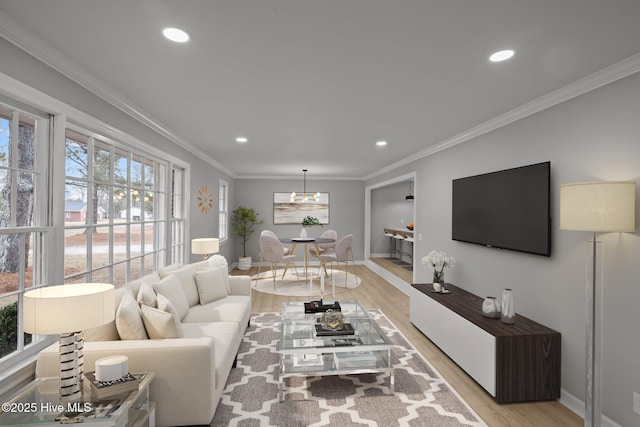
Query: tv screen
point(508, 209)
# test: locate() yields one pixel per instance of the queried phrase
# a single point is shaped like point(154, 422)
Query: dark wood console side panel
point(528, 368)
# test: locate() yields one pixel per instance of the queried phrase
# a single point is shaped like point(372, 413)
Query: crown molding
point(297, 177)
point(35, 46)
point(617, 71)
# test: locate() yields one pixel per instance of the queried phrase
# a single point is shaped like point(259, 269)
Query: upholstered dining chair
point(273, 253)
point(343, 253)
point(325, 248)
point(286, 250)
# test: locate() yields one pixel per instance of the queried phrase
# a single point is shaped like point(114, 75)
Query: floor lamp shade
point(205, 246)
point(68, 310)
point(607, 206)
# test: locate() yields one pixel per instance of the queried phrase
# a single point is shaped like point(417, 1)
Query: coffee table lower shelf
point(323, 364)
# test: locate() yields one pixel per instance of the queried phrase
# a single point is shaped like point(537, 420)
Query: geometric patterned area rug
point(294, 286)
point(422, 397)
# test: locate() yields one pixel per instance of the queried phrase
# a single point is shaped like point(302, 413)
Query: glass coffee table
point(310, 350)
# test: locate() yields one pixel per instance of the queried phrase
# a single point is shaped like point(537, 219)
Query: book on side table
point(102, 389)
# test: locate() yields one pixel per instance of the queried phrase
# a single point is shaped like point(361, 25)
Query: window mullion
point(13, 166)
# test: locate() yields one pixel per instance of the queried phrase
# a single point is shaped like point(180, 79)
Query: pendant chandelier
point(304, 197)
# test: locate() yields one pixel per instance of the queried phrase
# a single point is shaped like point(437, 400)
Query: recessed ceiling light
point(241, 139)
point(381, 143)
point(502, 55)
point(176, 35)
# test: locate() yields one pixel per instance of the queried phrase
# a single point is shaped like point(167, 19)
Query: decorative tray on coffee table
point(319, 307)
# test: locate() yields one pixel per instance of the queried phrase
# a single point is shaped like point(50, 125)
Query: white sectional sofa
point(185, 323)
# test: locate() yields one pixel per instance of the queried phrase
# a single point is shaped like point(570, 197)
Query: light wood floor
point(375, 292)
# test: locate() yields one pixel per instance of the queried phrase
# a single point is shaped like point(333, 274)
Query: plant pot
point(244, 263)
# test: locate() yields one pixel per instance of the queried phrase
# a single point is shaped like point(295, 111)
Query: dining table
point(305, 241)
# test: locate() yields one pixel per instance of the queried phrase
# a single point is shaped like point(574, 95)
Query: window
point(109, 217)
point(23, 222)
point(223, 210)
point(178, 214)
point(115, 221)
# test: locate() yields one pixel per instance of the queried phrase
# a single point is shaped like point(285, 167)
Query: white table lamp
point(596, 207)
point(206, 246)
point(68, 310)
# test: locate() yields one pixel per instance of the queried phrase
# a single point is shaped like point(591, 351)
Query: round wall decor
point(205, 199)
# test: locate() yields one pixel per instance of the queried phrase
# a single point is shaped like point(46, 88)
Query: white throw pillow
point(221, 262)
point(146, 295)
point(160, 324)
point(165, 305)
point(188, 282)
point(148, 278)
point(211, 286)
point(108, 332)
point(171, 288)
point(128, 319)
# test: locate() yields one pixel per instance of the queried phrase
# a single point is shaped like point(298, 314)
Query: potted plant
point(308, 221)
point(243, 221)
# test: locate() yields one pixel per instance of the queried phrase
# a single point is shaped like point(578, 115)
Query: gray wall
point(346, 209)
point(595, 136)
point(26, 69)
point(389, 208)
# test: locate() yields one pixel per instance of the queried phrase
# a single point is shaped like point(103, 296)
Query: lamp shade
point(68, 308)
point(205, 245)
point(607, 206)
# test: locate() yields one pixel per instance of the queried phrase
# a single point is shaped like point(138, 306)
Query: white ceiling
point(315, 83)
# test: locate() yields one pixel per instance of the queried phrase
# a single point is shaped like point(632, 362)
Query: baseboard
point(381, 255)
point(389, 277)
point(577, 406)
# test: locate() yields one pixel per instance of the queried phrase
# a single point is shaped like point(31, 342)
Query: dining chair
point(343, 253)
point(325, 248)
point(273, 253)
point(286, 250)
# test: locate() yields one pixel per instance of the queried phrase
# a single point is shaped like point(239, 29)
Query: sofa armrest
point(240, 285)
point(182, 392)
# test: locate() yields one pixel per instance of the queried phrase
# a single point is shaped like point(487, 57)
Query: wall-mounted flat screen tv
point(508, 209)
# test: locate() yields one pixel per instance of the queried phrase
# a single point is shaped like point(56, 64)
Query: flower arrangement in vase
point(310, 221)
point(438, 261)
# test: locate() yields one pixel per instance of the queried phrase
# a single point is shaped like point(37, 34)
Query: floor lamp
point(596, 207)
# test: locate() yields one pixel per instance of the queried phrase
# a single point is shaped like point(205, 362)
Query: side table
point(39, 404)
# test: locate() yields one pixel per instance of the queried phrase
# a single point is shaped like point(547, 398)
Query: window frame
point(223, 210)
point(39, 230)
point(118, 267)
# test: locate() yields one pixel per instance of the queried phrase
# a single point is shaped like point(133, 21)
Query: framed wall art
point(287, 212)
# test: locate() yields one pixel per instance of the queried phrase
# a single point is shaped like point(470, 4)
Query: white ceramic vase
point(508, 314)
point(490, 308)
